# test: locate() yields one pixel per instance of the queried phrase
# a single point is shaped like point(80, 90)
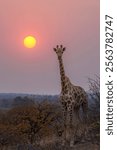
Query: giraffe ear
point(64, 49)
point(54, 49)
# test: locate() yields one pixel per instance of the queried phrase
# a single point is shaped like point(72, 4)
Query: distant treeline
point(8, 101)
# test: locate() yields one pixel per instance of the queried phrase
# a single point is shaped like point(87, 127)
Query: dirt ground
point(86, 146)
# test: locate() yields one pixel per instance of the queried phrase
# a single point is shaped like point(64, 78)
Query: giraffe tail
point(85, 110)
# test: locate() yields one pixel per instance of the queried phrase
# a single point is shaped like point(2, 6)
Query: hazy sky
point(73, 23)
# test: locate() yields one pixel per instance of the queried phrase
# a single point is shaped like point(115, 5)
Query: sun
point(30, 41)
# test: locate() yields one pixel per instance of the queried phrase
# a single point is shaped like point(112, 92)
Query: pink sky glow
point(73, 23)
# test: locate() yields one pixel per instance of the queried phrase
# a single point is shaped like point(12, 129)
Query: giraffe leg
point(77, 121)
point(65, 126)
point(71, 126)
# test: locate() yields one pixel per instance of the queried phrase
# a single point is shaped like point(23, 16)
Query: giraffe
point(71, 98)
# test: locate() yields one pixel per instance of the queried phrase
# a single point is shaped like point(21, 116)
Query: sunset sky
point(73, 23)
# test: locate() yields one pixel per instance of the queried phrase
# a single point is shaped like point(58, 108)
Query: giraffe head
point(59, 50)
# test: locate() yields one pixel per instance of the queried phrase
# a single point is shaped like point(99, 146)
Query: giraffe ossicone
point(72, 98)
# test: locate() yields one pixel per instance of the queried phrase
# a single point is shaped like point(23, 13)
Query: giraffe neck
point(62, 73)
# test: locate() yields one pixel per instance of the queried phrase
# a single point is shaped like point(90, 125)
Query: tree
point(22, 101)
point(94, 89)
